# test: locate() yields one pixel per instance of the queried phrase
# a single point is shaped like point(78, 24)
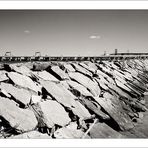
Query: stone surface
point(114, 108)
point(47, 76)
point(80, 88)
point(60, 72)
point(19, 94)
point(3, 76)
point(87, 82)
point(102, 130)
point(31, 135)
point(67, 133)
point(65, 97)
point(54, 113)
point(23, 81)
point(20, 119)
point(21, 69)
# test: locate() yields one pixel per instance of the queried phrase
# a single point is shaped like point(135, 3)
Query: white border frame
point(82, 5)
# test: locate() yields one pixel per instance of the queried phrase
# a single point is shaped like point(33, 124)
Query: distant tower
point(116, 51)
point(104, 53)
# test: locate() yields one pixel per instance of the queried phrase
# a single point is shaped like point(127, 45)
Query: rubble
point(85, 99)
point(20, 119)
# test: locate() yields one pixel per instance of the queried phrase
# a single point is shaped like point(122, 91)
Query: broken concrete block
point(87, 82)
point(23, 81)
point(68, 67)
point(102, 130)
point(20, 95)
point(113, 107)
point(31, 135)
point(20, 119)
point(55, 113)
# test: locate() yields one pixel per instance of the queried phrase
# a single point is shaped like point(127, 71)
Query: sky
point(73, 32)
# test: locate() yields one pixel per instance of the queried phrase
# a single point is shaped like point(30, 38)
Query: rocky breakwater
point(84, 99)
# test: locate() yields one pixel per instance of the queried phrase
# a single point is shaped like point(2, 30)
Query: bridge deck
point(70, 58)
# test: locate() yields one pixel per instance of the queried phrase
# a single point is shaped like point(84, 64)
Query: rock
point(35, 99)
point(78, 87)
point(39, 66)
point(60, 72)
point(87, 82)
point(90, 66)
point(20, 95)
point(102, 130)
point(102, 84)
point(47, 76)
point(114, 108)
point(21, 119)
point(23, 81)
point(3, 76)
point(68, 67)
point(67, 133)
point(54, 113)
point(31, 135)
point(96, 108)
point(20, 69)
point(65, 97)
point(82, 70)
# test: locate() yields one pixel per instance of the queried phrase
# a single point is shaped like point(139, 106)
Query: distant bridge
point(70, 58)
point(8, 57)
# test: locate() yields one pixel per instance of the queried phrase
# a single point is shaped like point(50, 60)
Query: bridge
point(37, 57)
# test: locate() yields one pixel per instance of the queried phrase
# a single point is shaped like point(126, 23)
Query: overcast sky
point(72, 33)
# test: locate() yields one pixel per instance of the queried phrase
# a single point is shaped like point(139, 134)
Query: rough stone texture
point(3, 76)
point(54, 113)
point(68, 67)
point(87, 82)
point(67, 133)
point(23, 81)
point(102, 130)
point(47, 76)
point(21, 69)
point(31, 135)
point(80, 69)
point(20, 95)
point(20, 119)
point(60, 72)
point(65, 97)
point(113, 107)
point(80, 88)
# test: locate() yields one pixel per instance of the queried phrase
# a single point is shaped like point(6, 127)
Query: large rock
point(3, 76)
point(80, 88)
point(65, 97)
point(81, 69)
point(68, 67)
point(67, 133)
point(102, 130)
point(21, 69)
point(95, 108)
point(113, 107)
point(23, 81)
point(90, 66)
point(31, 135)
point(47, 76)
point(21, 119)
point(19, 94)
point(54, 113)
point(60, 72)
point(87, 82)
